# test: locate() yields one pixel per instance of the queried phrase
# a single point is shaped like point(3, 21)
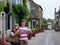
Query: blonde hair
point(16, 25)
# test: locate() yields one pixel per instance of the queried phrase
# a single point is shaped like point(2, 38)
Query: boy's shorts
point(23, 42)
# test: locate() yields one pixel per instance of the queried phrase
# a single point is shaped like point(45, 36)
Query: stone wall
point(34, 9)
point(37, 12)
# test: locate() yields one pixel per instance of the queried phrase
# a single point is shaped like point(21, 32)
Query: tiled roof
point(50, 20)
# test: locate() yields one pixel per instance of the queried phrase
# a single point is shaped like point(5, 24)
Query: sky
point(48, 7)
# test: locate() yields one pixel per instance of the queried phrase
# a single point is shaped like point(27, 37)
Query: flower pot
point(35, 31)
point(29, 36)
point(33, 34)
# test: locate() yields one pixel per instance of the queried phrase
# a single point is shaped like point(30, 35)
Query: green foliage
point(33, 29)
point(44, 22)
point(56, 23)
point(20, 12)
point(24, 3)
point(12, 13)
point(30, 15)
point(2, 5)
point(27, 23)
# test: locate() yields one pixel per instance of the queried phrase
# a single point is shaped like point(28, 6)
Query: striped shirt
point(23, 33)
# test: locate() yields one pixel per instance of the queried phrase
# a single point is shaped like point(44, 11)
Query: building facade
point(41, 15)
point(57, 19)
point(2, 23)
point(37, 14)
point(50, 23)
point(7, 20)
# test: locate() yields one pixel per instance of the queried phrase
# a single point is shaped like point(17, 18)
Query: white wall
point(10, 22)
point(49, 25)
point(2, 24)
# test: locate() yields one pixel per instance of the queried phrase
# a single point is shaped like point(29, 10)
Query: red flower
point(2, 42)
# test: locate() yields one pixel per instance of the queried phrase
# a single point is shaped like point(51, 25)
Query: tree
point(2, 6)
point(24, 3)
point(44, 23)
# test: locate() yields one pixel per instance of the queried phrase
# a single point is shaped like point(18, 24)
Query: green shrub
point(33, 29)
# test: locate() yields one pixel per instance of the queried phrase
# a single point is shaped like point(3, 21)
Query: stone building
point(2, 23)
point(57, 19)
point(50, 23)
point(7, 21)
point(28, 4)
point(37, 14)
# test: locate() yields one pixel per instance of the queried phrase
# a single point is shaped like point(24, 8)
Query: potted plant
point(33, 32)
point(36, 31)
point(29, 35)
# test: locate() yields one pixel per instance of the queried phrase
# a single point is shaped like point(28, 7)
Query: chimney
point(59, 7)
point(55, 10)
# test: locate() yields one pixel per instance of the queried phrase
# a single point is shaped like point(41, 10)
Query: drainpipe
point(6, 10)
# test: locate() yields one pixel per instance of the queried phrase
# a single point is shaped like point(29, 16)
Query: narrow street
point(20, 17)
point(48, 37)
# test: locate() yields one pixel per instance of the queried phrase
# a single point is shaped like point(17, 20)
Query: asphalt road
point(48, 37)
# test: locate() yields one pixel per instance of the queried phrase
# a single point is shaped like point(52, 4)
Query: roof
point(41, 7)
point(58, 12)
point(37, 4)
point(50, 20)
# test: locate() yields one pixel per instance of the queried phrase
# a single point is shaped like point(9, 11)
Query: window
point(15, 1)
